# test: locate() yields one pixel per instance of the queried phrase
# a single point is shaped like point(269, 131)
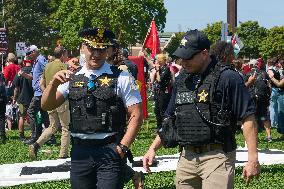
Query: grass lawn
point(15, 151)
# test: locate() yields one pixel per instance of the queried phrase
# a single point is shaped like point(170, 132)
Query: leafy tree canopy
point(213, 31)
point(128, 19)
point(273, 44)
point(252, 36)
point(25, 21)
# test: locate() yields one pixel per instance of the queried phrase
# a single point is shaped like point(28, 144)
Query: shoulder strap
point(115, 71)
point(212, 78)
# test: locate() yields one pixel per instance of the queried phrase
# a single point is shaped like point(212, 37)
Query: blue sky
point(196, 14)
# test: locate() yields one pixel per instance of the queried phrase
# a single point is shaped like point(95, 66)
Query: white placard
point(20, 49)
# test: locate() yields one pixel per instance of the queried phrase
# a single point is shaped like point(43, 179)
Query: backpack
point(261, 89)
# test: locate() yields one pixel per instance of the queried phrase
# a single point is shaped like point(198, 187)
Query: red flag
point(152, 40)
point(139, 61)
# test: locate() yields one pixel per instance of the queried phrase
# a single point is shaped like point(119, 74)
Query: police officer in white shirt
point(101, 97)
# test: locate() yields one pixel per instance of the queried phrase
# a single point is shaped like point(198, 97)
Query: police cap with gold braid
point(98, 38)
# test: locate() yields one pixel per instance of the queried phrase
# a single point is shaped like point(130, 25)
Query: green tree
point(252, 36)
point(213, 31)
point(25, 21)
point(273, 44)
point(174, 43)
point(129, 19)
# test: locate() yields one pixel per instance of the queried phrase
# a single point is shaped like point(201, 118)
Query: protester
point(280, 99)
point(60, 115)
point(10, 70)
point(35, 113)
point(23, 94)
point(273, 108)
point(260, 90)
point(162, 87)
point(205, 119)
point(98, 95)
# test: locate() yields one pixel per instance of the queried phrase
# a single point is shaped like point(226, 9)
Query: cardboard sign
point(21, 49)
point(3, 41)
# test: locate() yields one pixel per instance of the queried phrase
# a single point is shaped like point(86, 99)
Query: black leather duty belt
point(93, 142)
point(204, 148)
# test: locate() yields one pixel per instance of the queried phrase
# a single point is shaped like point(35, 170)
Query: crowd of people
point(204, 95)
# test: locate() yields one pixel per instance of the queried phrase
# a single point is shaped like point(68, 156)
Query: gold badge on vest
point(78, 84)
point(202, 96)
point(105, 81)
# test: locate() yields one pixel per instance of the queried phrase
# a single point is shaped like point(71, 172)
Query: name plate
point(184, 97)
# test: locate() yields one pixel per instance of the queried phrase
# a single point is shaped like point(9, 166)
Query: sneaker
point(33, 149)
point(138, 180)
point(30, 140)
point(22, 137)
point(269, 139)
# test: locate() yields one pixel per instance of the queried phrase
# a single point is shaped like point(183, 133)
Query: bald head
point(59, 52)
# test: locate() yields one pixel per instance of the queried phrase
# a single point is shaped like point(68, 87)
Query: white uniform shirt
point(127, 90)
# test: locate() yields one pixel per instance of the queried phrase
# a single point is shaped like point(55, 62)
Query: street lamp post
point(232, 13)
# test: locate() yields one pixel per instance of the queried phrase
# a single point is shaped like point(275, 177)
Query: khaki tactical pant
point(59, 115)
point(210, 170)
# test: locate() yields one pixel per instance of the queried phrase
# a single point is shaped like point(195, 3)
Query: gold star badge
point(105, 81)
point(202, 96)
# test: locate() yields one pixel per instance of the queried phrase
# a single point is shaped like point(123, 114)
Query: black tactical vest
point(94, 104)
point(200, 119)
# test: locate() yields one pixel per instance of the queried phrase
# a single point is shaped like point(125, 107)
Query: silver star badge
point(183, 42)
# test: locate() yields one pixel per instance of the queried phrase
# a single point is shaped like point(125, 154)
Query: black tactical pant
point(34, 111)
point(96, 167)
point(162, 100)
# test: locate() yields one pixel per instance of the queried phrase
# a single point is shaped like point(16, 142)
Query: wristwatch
point(123, 148)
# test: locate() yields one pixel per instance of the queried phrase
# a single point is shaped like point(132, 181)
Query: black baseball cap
point(193, 42)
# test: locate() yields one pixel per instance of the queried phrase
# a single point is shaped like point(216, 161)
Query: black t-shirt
point(165, 77)
point(132, 68)
point(231, 88)
point(26, 92)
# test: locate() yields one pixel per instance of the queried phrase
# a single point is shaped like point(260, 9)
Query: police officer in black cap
point(100, 96)
point(207, 101)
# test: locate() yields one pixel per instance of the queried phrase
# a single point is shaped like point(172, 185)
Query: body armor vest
point(200, 119)
point(94, 104)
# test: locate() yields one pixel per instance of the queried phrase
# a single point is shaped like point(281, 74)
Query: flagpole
point(146, 34)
